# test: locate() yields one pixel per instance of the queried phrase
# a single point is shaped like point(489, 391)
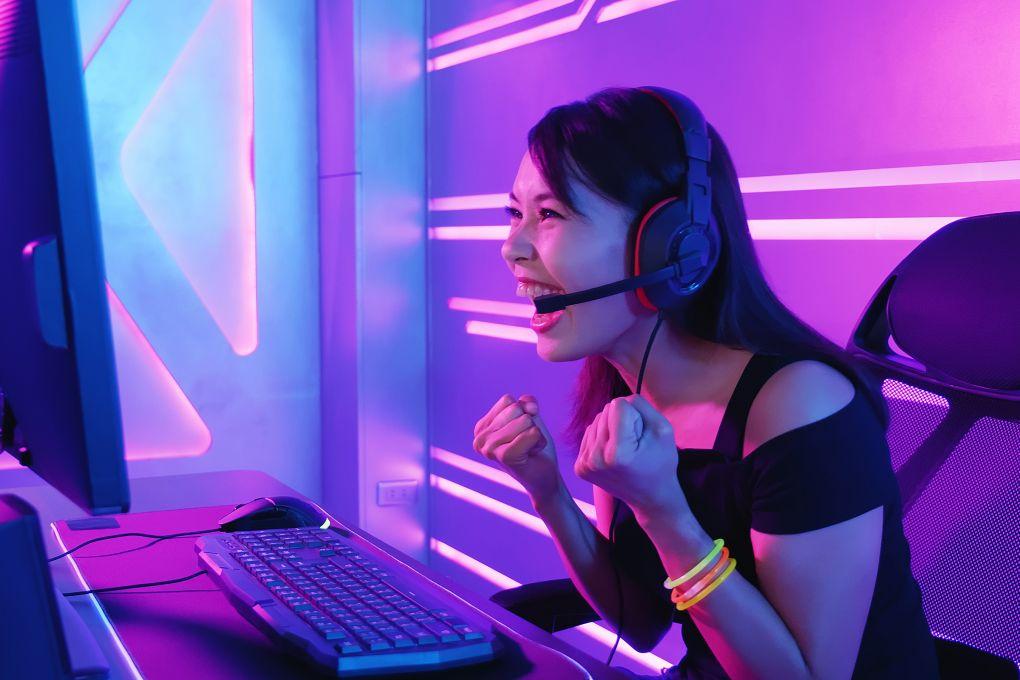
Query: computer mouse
point(275, 512)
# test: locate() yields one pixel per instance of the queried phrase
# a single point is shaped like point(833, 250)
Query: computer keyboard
point(328, 600)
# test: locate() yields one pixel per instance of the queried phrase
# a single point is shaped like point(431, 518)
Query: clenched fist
point(512, 434)
point(629, 452)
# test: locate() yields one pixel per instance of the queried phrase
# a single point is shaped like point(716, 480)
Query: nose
point(518, 245)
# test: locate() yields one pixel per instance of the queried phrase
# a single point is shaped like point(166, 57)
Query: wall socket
point(397, 492)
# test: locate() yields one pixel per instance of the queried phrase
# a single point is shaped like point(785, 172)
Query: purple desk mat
point(190, 630)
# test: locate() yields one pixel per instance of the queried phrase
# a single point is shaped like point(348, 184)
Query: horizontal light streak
point(793, 229)
point(508, 512)
point(495, 21)
point(496, 578)
point(847, 228)
point(515, 309)
point(624, 8)
point(501, 331)
point(493, 475)
point(469, 202)
point(502, 581)
point(544, 31)
point(496, 233)
point(950, 173)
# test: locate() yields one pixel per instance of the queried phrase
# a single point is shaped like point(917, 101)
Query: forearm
point(586, 554)
point(739, 625)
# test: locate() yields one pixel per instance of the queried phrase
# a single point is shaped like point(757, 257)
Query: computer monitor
point(61, 410)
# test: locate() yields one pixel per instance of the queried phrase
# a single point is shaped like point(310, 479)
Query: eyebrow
point(539, 197)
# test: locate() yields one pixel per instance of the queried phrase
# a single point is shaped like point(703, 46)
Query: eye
point(553, 213)
point(514, 213)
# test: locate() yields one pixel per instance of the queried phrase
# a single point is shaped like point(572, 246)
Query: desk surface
point(191, 630)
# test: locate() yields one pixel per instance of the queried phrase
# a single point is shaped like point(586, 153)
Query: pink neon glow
point(159, 420)
point(489, 23)
point(493, 475)
point(624, 8)
point(101, 38)
point(476, 202)
point(952, 173)
point(515, 309)
point(496, 578)
point(482, 501)
point(502, 581)
point(509, 42)
point(209, 228)
point(848, 228)
point(495, 233)
point(990, 171)
point(501, 331)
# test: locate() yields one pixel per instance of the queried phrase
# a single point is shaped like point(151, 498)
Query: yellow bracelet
point(704, 581)
point(671, 584)
point(704, 593)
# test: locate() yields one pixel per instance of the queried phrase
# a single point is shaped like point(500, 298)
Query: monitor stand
point(87, 660)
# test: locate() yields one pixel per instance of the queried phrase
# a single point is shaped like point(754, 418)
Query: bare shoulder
point(798, 394)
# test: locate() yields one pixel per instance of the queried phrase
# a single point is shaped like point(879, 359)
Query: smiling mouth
point(533, 290)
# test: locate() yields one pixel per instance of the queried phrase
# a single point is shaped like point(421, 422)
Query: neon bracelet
point(671, 584)
point(700, 585)
point(705, 593)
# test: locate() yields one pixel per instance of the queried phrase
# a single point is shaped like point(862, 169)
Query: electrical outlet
point(397, 492)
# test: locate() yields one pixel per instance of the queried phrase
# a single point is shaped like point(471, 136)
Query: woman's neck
point(682, 369)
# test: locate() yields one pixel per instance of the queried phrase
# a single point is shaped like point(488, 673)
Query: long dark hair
point(623, 144)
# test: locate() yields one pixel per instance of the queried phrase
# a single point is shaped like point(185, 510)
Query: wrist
point(547, 499)
point(676, 533)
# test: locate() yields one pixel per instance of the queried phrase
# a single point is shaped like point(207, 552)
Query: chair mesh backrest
point(964, 527)
point(942, 333)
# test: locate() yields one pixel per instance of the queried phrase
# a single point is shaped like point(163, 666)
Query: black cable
point(158, 537)
point(616, 502)
point(136, 585)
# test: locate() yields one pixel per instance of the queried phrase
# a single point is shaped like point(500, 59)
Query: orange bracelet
point(690, 593)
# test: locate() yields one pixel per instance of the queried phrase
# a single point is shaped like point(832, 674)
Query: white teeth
point(534, 290)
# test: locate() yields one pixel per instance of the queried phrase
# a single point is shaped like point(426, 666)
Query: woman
point(751, 432)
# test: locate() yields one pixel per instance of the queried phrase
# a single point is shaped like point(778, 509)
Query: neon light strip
point(497, 20)
point(515, 309)
point(475, 202)
point(498, 579)
point(496, 233)
point(502, 581)
point(848, 228)
point(794, 229)
point(508, 512)
point(951, 173)
point(502, 331)
point(135, 673)
point(509, 42)
point(626, 7)
point(493, 475)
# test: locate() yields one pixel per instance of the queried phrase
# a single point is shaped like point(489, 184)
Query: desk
point(191, 630)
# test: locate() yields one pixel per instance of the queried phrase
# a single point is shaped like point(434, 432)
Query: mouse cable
point(616, 503)
point(158, 537)
point(136, 585)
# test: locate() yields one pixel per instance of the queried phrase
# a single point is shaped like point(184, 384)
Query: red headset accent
point(637, 250)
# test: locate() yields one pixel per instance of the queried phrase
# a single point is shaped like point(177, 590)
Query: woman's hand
point(629, 452)
point(512, 434)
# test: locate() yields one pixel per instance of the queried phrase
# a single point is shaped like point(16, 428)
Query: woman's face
point(552, 250)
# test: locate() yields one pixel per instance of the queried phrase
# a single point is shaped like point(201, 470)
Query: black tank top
point(810, 477)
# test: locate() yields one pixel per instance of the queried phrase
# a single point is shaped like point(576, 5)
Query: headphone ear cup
point(665, 236)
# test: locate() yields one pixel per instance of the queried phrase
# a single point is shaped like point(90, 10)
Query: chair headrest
point(955, 302)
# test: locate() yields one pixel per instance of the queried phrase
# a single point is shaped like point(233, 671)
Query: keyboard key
point(440, 630)
point(468, 632)
point(348, 647)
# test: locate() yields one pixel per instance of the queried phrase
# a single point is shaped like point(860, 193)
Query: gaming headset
point(676, 244)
